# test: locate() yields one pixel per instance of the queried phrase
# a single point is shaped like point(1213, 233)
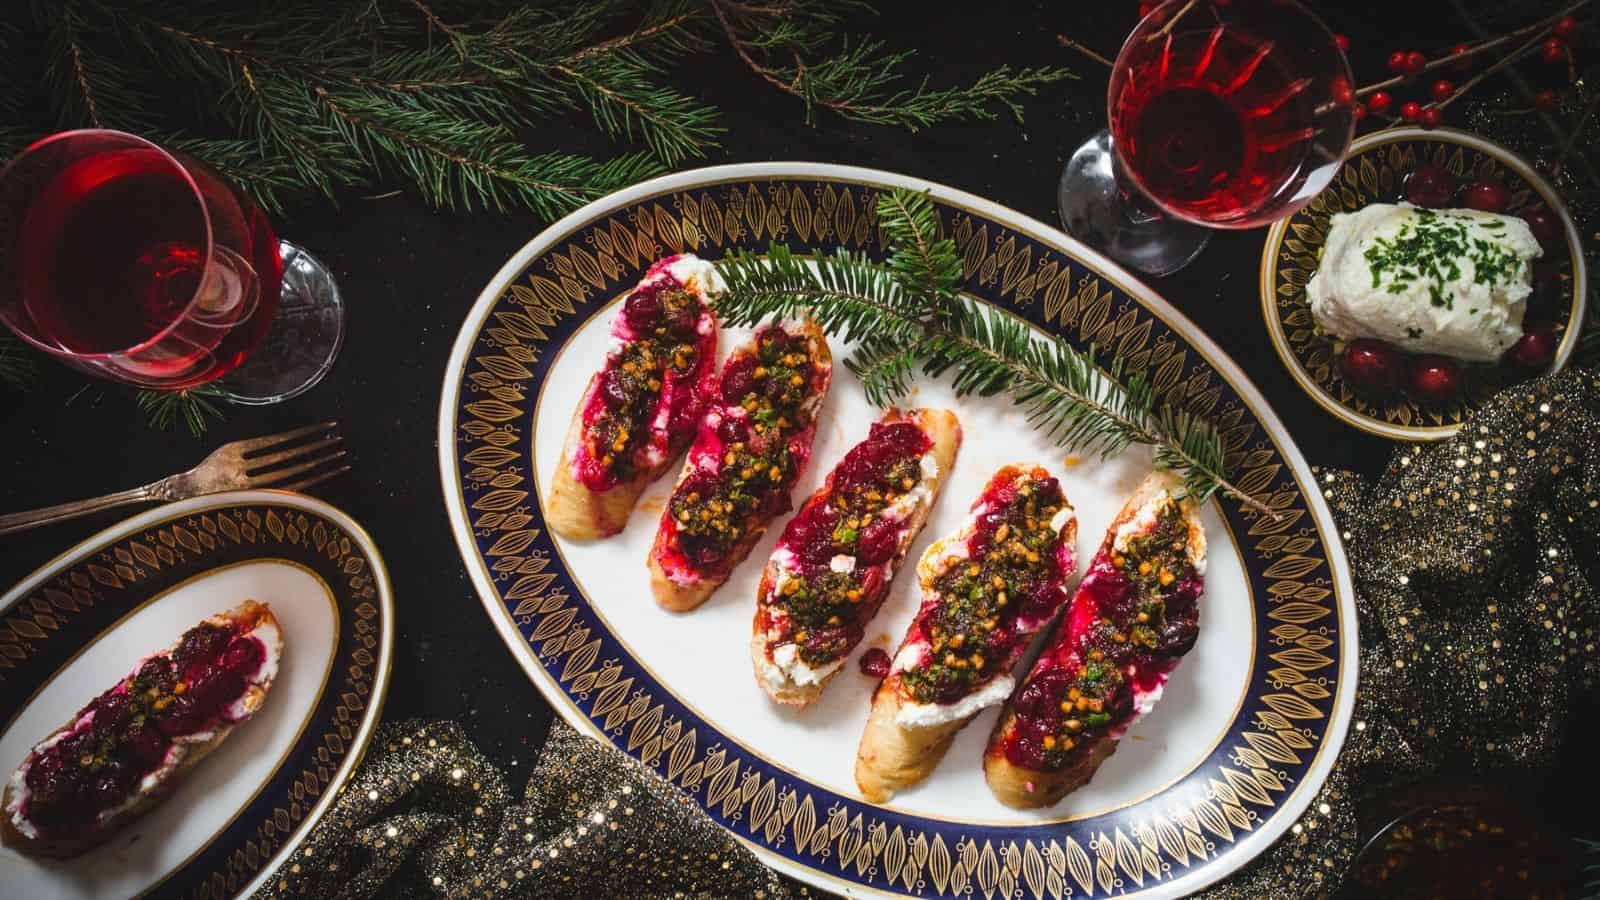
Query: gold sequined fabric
point(427, 815)
point(1474, 562)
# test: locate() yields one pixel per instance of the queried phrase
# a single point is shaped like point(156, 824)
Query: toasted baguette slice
point(183, 753)
point(595, 487)
point(686, 568)
point(923, 441)
point(1027, 768)
point(957, 656)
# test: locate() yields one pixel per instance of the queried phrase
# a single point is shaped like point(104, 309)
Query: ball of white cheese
point(1447, 281)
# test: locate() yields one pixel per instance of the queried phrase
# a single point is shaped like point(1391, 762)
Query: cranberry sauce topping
point(132, 727)
point(750, 449)
point(663, 359)
point(1012, 572)
point(874, 663)
point(852, 517)
point(1133, 617)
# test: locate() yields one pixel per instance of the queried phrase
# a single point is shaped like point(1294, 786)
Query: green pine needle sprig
point(908, 319)
point(195, 407)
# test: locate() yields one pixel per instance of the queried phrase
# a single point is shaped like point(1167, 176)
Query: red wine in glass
point(1224, 115)
point(142, 265)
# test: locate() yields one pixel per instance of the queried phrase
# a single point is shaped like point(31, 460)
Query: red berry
point(1339, 89)
point(1565, 27)
point(1460, 50)
point(1380, 101)
point(1431, 118)
point(1545, 225)
point(1343, 42)
point(1415, 62)
point(1553, 51)
point(1489, 196)
point(1435, 379)
point(1535, 350)
point(1370, 366)
point(1430, 186)
point(874, 662)
point(1410, 110)
point(1442, 89)
point(1359, 112)
point(1546, 100)
point(1397, 62)
point(1146, 8)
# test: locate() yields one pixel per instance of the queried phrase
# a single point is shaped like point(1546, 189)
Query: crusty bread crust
point(891, 757)
point(944, 430)
point(246, 616)
point(580, 514)
point(1024, 788)
point(684, 596)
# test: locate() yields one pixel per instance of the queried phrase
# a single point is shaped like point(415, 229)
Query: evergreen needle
point(907, 315)
point(195, 407)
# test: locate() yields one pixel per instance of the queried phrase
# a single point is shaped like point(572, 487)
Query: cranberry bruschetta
point(752, 444)
point(832, 568)
point(640, 410)
point(128, 748)
point(1132, 619)
point(986, 591)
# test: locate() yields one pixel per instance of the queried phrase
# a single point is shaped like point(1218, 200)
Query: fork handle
point(71, 510)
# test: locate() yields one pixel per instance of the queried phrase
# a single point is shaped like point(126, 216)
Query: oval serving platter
point(83, 621)
point(1251, 721)
point(1375, 171)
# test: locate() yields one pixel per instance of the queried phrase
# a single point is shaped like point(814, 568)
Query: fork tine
point(255, 464)
point(320, 477)
point(250, 445)
point(266, 479)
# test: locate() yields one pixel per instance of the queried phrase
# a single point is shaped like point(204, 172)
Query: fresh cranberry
point(642, 310)
point(1565, 28)
point(1546, 281)
point(874, 663)
point(1463, 63)
point(1431, 117)
point(1370, 366)
point(1414, 64)
point(1397, 62)
point(1553, 51)
point(1536, 348)
point(1441, 89)
point(1358, 112)
point(1340, 91)
point(1380, 101)
point(738, 379)
point(145, 747)
point(1545, 225)
point(1430, 186)
point(878, 542)
point(1343, 42)
point(244, 657)
point(1435, 379)
point(1411, 110)
point(1488, 196)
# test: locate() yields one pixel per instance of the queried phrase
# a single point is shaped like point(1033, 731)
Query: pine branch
point(195, 407)
point(898, 321)
point(16, 364)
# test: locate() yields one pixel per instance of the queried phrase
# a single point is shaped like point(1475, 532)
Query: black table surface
point(410, 274)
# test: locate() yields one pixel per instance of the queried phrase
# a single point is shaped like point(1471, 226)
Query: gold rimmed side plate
point(1375, 172)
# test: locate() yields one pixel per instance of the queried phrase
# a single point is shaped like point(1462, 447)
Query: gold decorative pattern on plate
point(1213, 808)
point(189, 540)
point(1375, 172)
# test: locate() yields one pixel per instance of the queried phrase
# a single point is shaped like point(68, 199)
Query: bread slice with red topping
point(832, 568)
point(640, 409)
point(126, 750)
point(752, 444)
point(987, 590)
point(1131, 621)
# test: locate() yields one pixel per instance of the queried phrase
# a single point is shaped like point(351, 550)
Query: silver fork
point(231, 467)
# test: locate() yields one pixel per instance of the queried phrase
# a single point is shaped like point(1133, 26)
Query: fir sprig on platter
point(907, 316)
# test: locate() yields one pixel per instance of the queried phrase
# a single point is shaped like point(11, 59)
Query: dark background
point(409, 276)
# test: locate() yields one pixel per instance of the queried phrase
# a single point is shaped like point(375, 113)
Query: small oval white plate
point(83, 621)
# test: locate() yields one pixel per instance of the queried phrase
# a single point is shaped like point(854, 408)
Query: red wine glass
point(1223, 114)
point(142, 265)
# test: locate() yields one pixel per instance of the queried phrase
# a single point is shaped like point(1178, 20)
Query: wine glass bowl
point(144, 266)
point(1222, 114)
